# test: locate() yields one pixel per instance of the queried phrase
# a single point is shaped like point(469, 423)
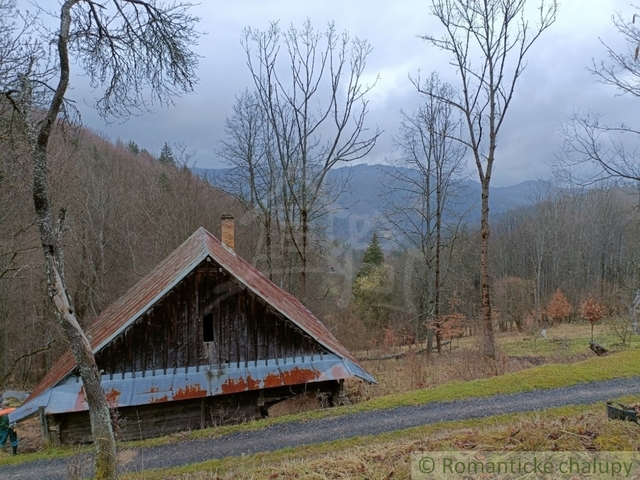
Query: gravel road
point(293, 434)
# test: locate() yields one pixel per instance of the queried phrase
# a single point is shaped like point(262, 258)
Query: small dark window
point(207, 328)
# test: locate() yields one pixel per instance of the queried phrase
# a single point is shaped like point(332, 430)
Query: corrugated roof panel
point(120, 314)
point(158, 387)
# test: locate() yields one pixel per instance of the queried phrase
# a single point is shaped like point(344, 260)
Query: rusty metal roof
point(159, 386)
point(202, 244)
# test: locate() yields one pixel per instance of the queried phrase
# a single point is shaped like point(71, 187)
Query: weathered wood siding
point(148, 421)
point(157, 419)
point(170, 335)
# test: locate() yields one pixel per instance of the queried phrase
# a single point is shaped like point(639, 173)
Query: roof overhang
point(159, 386)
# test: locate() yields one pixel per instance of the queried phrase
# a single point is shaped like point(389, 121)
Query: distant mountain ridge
point(357, 210)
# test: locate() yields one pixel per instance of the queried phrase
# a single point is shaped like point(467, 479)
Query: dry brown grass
point(389, 456)
point(298, 404)
point(421, 371)
point(564, 344)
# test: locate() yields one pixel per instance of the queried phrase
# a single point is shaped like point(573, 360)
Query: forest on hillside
point(126, 210)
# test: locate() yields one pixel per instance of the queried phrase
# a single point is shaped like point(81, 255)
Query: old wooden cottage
point(203, 339)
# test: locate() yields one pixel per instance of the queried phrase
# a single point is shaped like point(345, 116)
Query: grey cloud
point(555, 82)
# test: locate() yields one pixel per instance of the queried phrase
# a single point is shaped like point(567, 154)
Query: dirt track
point(300, 433)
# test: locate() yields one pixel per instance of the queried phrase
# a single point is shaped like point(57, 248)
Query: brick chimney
point(228, 234)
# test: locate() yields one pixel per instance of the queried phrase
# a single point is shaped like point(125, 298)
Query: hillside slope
point(358, 209)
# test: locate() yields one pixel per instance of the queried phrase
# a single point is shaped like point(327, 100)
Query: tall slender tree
point(420, 190)
point(255, 176)
point(130, 48)
point(488, 41)
point(314, 102)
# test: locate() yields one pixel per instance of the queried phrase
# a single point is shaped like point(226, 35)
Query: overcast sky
point(555, 81)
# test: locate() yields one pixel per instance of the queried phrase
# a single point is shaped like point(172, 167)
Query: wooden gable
point(206, 319)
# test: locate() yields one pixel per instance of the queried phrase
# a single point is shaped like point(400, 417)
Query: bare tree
point(256, 177)
point(622, 69)
point(488, 41)
point(420, 191)
point(314, 103)
point(131, 48)
point(595, 151)
point(600, 150)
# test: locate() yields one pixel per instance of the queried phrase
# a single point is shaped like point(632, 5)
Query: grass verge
point(623, 364)
point(389, 455)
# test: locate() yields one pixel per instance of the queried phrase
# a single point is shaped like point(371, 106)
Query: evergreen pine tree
point(372, 257)
point(166, 155)
point(371, 288)
point(133, 147)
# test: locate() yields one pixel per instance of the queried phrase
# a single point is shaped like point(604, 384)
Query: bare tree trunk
point(135, 45)
point(436, 280)
point(106, 462)
point(304, 220)
point(537, 288)
point(632, 311)
point(498, 32)
point(489, 348)
point(267, 240)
